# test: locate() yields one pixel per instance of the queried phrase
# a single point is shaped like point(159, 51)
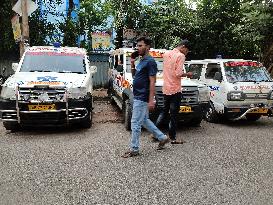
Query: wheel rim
point(209, 113)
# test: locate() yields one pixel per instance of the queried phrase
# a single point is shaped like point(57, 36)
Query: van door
point(118, 75)
point(214, 79)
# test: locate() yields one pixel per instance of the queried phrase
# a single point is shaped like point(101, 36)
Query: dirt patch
point(100, 94)
point(103, 110)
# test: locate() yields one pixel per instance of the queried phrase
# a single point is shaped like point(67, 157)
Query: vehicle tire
point(127, 108)
point(211, 114)
point(12, 126)
point(1, 80)
point(253, 118)
point(110, 93)
point(112, 101)
point(87, 123)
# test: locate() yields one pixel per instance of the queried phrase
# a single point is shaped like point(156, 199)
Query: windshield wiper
point(79, 72)
point(40, 71)
point(265, 81)
point(254, 81)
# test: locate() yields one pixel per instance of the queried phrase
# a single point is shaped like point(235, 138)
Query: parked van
point(52, 86)
point(238, 88)
point(195, 95)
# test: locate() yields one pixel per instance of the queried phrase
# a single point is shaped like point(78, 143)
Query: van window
point(111, 62)
point(196, 70)
point(121, 60)
point(246, 72)
point(128, 64)
point(116, 61)
point(212, 68)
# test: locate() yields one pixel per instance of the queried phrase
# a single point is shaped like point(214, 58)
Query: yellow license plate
point(42, 107)
point(259, 110)
point(185, 109)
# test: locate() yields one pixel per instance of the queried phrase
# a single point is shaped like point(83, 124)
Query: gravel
point(219, 164)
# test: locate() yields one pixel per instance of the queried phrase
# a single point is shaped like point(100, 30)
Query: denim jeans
point(140, 118)
point(171, 105)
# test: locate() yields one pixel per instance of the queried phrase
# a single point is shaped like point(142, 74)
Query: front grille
point(9, 115)
point(38, 94)
point(256, 95)
point(189, 96)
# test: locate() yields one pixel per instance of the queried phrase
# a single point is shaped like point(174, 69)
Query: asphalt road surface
point(219, 164)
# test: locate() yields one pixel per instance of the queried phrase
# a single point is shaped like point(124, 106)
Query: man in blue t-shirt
point(144, 92)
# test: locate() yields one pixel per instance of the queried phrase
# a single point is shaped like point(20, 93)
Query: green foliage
point(41, 31)
point(215, 22)
point(8, 46)
point(92, 16)
point(167, 22)
point(126, 14)
point(255, 29)
point(236, 29)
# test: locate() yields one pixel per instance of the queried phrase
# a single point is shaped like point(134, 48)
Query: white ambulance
point(51, 86)
point(195, 95)
point(238, 88)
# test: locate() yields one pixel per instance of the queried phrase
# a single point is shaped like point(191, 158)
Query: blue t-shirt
point(141, 84)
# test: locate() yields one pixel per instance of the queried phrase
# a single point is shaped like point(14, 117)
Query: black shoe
point(162, 143)
point(130, 154)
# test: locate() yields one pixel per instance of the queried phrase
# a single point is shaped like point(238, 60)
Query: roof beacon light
point(219, 56)
point(57, 44)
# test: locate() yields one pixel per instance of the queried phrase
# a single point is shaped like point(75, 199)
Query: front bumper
point(197, 112)
point(237, 112)
point(72, 111)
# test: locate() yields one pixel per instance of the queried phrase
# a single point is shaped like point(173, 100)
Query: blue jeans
point(140, 118)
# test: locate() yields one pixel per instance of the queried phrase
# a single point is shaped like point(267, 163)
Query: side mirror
point(120, 68)
point(93, 69)
point(15, 66)
point(218, 76)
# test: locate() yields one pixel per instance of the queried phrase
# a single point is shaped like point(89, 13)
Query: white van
point(52, 86)
point(195, 95)
point(238, 88)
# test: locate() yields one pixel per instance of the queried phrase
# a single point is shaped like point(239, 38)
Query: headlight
point(203, 94)
point(77, 93)
point(8, 93)
point(270, 96)
point(236, 96)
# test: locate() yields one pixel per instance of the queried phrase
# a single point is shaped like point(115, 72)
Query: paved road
point(220, 164)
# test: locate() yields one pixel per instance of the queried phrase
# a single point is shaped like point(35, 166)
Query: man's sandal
point(177, 142)
point(130, 154)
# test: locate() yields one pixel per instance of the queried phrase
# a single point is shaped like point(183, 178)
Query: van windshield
point(246, 72)
point(53, 62)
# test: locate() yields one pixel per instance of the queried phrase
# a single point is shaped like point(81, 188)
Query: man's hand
point(133, 66)
point(133, 60)
point(189, 74)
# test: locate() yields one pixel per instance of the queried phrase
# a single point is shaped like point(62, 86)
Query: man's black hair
point(145, 39)
point(185, 43)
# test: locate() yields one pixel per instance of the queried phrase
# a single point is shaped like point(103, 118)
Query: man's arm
point(179, 65)
point(151, 103)
point(179, 68)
